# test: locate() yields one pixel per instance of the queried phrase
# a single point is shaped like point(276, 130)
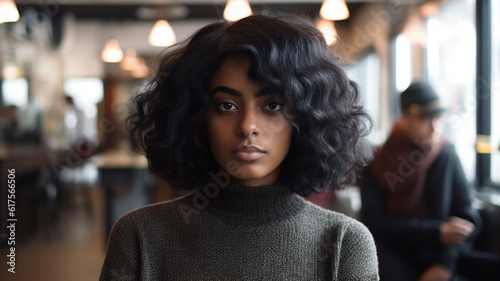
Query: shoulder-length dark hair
point(288, 56)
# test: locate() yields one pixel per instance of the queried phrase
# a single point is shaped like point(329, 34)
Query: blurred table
point(116, 159)
point(117, 168)
point(24, 159)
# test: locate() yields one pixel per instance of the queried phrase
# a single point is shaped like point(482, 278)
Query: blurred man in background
point(415, 197)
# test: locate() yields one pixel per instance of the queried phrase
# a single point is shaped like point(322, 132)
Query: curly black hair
point(287, 55)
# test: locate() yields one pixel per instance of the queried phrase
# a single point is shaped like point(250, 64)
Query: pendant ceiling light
point(11, 70)
point(162, 34)
point(8, 11)
point(237, 9)
point(334, 10)
point(112, 51)
point(130, 61)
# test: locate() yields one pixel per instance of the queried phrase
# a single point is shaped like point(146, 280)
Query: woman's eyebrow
point(237, 93)
point(226, 90)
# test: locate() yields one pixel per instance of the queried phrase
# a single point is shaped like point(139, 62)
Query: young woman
point(249, 115)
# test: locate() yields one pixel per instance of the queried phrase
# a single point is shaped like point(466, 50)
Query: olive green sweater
point(239, 233)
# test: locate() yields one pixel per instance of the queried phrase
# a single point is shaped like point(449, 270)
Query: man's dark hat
point(420, 99)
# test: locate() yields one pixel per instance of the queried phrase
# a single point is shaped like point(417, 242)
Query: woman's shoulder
point(341, 223)
point(350, 241)
point(166, 211)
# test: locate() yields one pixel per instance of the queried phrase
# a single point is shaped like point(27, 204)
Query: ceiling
point(126, 10)
point(92, 22)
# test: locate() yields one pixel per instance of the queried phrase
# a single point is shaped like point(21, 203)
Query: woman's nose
point(248, 125)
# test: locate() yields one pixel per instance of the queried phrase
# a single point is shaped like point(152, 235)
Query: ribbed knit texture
point(239, 233)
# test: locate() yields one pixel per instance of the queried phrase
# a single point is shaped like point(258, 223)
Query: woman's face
point(247, 133)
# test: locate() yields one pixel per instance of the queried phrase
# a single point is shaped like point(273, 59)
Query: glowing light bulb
point(112, 51)
point(237, 9)
point(334, 10)
point(8, 11)
point(162, 34)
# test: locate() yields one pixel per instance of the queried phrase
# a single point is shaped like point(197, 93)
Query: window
point(451, 63)
point(402, 63)
point(495, 92)
point(15, 92)
point(365, 71)
point(80, 121)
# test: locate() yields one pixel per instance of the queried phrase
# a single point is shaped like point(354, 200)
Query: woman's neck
point(255, 205)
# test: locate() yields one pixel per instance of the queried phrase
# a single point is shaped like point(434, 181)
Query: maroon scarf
point(400, 168)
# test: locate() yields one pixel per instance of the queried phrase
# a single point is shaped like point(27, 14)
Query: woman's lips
point(248, 153)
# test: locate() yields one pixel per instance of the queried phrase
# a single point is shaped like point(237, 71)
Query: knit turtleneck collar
point(255, 205)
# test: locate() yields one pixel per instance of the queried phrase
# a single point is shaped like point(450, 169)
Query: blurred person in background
point(9, 124)
point(415, 196)
point(79, 146)
point(21, 126)
point(73, 123)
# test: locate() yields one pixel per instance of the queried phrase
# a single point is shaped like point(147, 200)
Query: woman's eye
point(274, 106)
point(226, 106)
